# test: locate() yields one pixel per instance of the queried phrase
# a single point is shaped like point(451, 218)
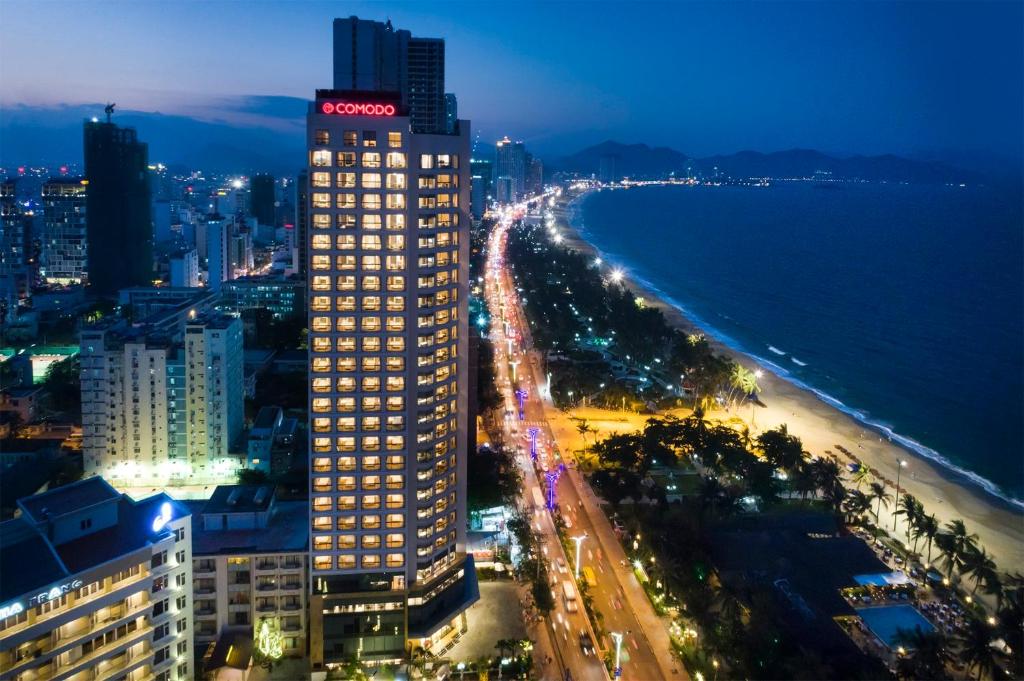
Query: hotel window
point(428, 221)
point(371, 541)
point(371, 159)
point(346, 384)
point(395, 423)
point(444, 181)
point(346, 425)
point(321, 405)
point(321, 200)
point(346, 221)
point(321, 304)
point(321, 137)
point(371, 262)
point(350, 138)
point(396, 344)
point(396, 222)
point(371, 562)
point(346, 159)
point(428, 202)
point(371, 324)
point(395, 181)
point(346, 541)
point(321, 158)
point(346, 323)
point(346, 483)
point(426, 282)
point(396, 324)
point(346, 463)
point(345, 262)
point(371, 283)
point(322, 562)
point(427, 182)
point(371, 303)
point(321, 465)
point(396, 159)
point(323, 542)
point(396, 202)
point(394, 481)
point(371, 463)
point(371, 423)
point(395, 540)
point(371, 404)
point(426, 161)
point(371, 344)
point(443, 201)
point(322, 503)
point(371, 501)
point(371, 202)
point(321, 425)
point(321, 484)
point(447, 161)
point(369, 138)
point(345, 404)
point(396, 363)
point(322, 523)
point(371, 522)
point(395, 403)
point(321, 385)
point(396, 242)
point(394, 520)
point(394, 139)
point(346, 503)
point(321, 221)
point(371, 384)
point(320, 179)
point(320, 262)
point(344, 180)
point(395, 500)
point(371, 180)
point(371, 364)
point(345, 200)
point(371, 221)
point(346, 444)
point(345, 344)
point(371, 242)
point(370, 443)
point(395, 560)
point(396, 283)
point(346, 303)
point(346, 561)
point(371, 482)
point(347, 522)
point(321, 242)
point(345, 242)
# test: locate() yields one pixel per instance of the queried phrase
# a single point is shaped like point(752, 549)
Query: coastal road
point(646, 652)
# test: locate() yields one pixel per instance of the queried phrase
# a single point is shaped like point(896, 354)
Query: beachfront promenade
point(646, 650)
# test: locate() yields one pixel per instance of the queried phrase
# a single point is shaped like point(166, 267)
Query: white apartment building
point(250, 562)
point(388, 262)
point(157, 409)
point(96, 586)
point(184, 269)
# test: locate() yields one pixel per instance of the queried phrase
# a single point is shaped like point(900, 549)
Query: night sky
point(700, 77)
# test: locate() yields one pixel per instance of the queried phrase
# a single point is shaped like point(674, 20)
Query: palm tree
point(928, 653)
point(582, 427)
point(930, 530)
point(881, 494)
point(803, 481)
point(956, 544)
point(862, 475)
point(856, 504)
point(910, 507)
point(975, 645)
point(980, 566)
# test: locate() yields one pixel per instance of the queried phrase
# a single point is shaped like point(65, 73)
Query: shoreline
point(825, 428)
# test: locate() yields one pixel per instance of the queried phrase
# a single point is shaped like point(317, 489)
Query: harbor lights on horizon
point(579, 542)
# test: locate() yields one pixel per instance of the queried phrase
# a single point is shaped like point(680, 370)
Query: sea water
point(900, 304)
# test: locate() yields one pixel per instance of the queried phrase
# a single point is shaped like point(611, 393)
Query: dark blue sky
point(701, 77)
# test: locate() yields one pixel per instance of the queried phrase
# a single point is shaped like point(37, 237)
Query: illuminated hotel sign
point(50, 594)
point(11, 610)
point(358, 109)
point(165, 517)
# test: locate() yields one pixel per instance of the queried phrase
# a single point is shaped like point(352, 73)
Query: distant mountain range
point(641, 161)
point(264, 133)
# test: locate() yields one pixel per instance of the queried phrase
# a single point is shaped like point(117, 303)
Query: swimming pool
point(882, 579)
point(886, 620)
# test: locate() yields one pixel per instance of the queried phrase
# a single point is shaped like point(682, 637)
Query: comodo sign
point(358, 109)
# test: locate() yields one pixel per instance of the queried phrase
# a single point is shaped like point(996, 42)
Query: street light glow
point(617, 275)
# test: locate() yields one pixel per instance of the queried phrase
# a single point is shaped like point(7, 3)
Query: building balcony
point(291, 586)
point(291, 564)
point(291, 606)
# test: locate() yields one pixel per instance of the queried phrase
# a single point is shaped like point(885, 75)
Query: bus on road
point(589, 577)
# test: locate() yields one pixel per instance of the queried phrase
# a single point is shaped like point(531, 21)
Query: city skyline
point(872, 78)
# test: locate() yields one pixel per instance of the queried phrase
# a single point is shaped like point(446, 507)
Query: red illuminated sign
point(358, 109)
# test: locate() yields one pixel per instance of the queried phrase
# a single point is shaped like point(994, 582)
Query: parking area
point(497, 615)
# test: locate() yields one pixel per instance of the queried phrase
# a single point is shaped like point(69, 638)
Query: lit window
point(322, 562)
point(371, 541)
point(371, 383)
point(320, 262)
point(321, 221)
point(396, 159)
point(396, 222)
point(371, 180)
point(395, 263)
point(346, 483)
point(347, 522)
point(346, 541)
point(371, 463)
point(321, 404)
point(396, 283)
point(371, 262)
point(371, 324)
point(371, 242)
point(346, 221)
point(371, 403)
point(344, 404)
point(346, 424)
point(396, 202)
point(371, 344)
point(370, 202)
point(346, 463)
point(345, 200)
point(346, 159)
point(426, 161)
point(371, 221)
point(346, 561)
point(350, 138)
point(320, 158)
point(320, 179)
point(394, 520)
point(395, 403)
point(394, 180)
point(371, 364)
point(394, 139)
point(369, 138)
point(370, 562)
point(395, 560)
point(323, 542)
point(371, 159)
point(371, 522)
point(396, 363)
point(395, 500)
point(396, 344)
point(371, 501)
point(395, 442)
point(346, 503)
point(344, 180)
point(396, 242)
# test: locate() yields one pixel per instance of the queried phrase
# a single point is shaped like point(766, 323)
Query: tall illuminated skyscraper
point(388, 264)
point(63, 247)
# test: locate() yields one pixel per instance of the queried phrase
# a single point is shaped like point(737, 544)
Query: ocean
point(903, 305)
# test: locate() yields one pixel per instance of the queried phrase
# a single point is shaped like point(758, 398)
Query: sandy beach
point(827, 430)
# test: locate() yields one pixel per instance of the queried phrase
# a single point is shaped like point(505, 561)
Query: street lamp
point(714, 663)
point(579, 542)
point(617, 637)
point(896, 505)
